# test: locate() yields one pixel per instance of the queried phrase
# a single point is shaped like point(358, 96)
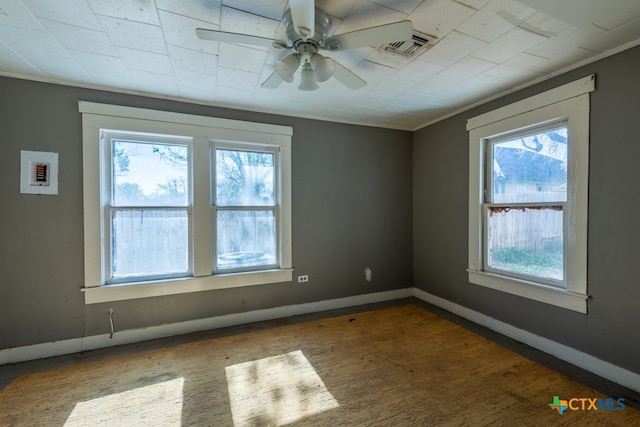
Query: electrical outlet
point(303, 279)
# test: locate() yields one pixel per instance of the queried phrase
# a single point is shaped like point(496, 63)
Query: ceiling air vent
point(410, 48)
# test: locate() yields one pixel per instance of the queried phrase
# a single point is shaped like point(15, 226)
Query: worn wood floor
point(394, 366)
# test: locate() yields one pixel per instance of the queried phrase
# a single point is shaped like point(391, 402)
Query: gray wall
point(354, 200)
point(610, 329)
point(352, 197)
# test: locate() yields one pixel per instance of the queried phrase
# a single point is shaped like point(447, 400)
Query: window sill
point(535, 291)
point(107, 293)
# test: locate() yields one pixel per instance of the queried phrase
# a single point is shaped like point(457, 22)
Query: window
point(245, 209)
point(175, 203)
point(525, 199)
point(528, 180)
point(147, 206)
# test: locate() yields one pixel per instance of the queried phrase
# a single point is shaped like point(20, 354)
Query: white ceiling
point(482, 48)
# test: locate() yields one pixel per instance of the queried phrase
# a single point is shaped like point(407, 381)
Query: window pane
point(244, 178)
point(149, 242)
point(246, 238)
point(532, 168)
point(526, 240)
point(146, 174)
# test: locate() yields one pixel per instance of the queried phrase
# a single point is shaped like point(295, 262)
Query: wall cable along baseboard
point(111, 322)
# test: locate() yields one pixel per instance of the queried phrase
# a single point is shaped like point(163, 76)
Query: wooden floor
point(394, 366)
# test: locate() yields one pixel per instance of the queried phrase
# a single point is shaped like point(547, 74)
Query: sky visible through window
point(147, 174)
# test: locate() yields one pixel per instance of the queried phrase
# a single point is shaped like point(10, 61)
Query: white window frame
point(489, 203)
point(203, 130)
point(231, 145)
point(107, 138)
point(568, 103)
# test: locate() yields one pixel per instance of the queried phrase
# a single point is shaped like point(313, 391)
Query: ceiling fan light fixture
point(323, 67)
point(287, 67)
point(307, 31)
point(308, 80)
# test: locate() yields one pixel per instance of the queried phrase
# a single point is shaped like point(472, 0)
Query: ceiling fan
point(306, 31)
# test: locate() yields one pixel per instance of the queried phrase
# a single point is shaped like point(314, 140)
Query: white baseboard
point(578, 358)
point(583, 360)
point(75, 345)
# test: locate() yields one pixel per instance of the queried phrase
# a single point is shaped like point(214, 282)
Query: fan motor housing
point(321, 31)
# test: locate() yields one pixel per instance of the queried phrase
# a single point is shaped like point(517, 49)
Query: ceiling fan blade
point(222, 36)
point(303, 15)
point(347, 78)
point(272, 82)
point(382, 34)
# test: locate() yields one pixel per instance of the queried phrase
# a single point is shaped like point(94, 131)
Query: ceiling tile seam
point(189, 17)
point(136, 68)
point(185, 48)
point(164, 37)
point(198, 73)
point(239, 70)
point(534, 31)
point(102, 27)
point(353, 4)
point(24, 59)
point(176, 69)
point(63, 48)
point(24, 6)
point(42, 29)
point(468, 6)
point(73, 58)
point(600, 27)
point(371, 61)
point(521, 23)
point(493, 62)
point(390, 7)
point(69, 52)
point(458, 30)
point(159, 27)
point(36, 74)
point(247, 12)
point(67, 49)
point(461, 24)
point(42, 18)
point(155, 9)
point(536, 55)
point(57, 21)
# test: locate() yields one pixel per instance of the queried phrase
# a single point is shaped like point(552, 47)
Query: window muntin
point(147, 206)
point(245, 209)
point(525, 204)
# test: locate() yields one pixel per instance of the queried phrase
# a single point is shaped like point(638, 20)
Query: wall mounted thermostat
point(38, 172)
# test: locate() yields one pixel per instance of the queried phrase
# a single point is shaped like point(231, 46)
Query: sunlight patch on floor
point(148, 405)
point(276, 391)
